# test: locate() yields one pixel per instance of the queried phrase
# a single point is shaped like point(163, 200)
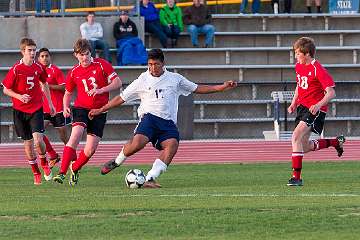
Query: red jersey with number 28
point(24, 79)
point(312, 80)
point(98, 74)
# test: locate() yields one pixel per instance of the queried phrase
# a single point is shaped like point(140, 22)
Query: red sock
point(325, 143)
point(49, 148)
point(296, 158)
point(81, 161)
point(69, 155)
point(34, 166)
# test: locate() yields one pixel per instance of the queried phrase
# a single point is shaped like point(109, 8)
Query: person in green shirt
point(171, 21)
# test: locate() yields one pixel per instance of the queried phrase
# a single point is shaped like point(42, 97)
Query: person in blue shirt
point(152, 21)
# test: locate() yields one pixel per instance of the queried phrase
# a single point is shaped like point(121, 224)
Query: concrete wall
point(54, 32)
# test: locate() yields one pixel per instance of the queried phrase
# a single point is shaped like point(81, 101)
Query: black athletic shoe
point(108, 167)
point(340, 148)
point(295, 182)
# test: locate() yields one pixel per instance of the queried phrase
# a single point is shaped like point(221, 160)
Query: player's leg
point(92, 142)
point(167, 140)
point(49, 148)
point(170, 147)
point(31, 156)
point(134, 145)
point(144, 132)
point(37, 129)
point(301, 131)
point(23, 130)
point(69, 153)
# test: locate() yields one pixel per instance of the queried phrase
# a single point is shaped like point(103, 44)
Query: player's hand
point(52, 110)
point(94, 112)
point(291, 108)
point(67, 112)
point(25, 98)
point(95, 91)
point(314, 109)
point(229, 85)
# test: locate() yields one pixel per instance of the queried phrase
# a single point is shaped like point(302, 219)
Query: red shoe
point(54, 161)
point(37, 179)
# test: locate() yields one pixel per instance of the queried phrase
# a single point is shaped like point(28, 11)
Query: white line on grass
point(245, 195)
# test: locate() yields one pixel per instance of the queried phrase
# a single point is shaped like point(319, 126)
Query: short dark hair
point(156, 54)
point(44, 50)
point(90, 13)
point(305, 45)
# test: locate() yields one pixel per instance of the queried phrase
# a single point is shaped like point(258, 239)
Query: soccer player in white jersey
point(159, 91)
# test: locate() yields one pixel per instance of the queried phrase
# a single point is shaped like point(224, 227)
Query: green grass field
point(230, 201)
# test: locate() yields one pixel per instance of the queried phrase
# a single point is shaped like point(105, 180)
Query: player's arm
point(293, 104)
point(203, 89)
point(66, 103)
point(115, 84)
point(114, 102)
point(46, 90)
point(25, 98)
point(57, 87)
point(329, 94)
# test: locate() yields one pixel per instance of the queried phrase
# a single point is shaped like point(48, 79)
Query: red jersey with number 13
point(24, 79)
point(98, 74)
point(312, 80)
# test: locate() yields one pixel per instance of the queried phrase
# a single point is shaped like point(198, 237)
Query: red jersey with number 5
point(312, 80)
point(24, 79)
point(98, 74)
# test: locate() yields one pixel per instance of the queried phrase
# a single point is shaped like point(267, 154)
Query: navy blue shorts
point(157, 129)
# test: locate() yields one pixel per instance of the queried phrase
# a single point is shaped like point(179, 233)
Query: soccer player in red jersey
point(23, 84)
point(93, 79)
point(56, 81)
point(314, 90)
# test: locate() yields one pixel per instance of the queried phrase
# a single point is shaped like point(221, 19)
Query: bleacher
point(254, 50)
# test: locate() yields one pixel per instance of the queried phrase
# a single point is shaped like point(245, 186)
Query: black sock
point(318, 9)
point(309, 9)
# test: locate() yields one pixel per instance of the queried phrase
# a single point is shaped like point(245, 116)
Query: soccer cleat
point(54, 161)
point(108, 167)
point(47, 173)
point(151, 184)
point(37, 179)
point(295, 182)
point(340, 148)
point(74, 176)
point(60, 178)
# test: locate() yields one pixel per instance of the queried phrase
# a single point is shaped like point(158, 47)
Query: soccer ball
point(134, 178)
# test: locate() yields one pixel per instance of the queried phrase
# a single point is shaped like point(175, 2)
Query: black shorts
point(58, 120)
point(28, 123)
point(316, 122)
point(94, 126)
point(157, 129)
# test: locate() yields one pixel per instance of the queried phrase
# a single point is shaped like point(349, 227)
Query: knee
point(89, 151)
point(296, 137)
point(192, 28)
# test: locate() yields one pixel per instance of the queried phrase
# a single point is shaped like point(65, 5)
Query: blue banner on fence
point(343, 6)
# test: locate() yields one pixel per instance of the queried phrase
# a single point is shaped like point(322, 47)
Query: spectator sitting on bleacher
point(171, 20)
point(93, 32)
point(39, 6)
point(152, 22)
point(130, 48)
point(255, 5)
point(317, 3)
point(198, 19)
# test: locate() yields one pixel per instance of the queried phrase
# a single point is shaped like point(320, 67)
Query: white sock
point(120, 158)
point(157, 168)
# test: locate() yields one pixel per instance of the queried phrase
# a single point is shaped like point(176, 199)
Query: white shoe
point(48, 177)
